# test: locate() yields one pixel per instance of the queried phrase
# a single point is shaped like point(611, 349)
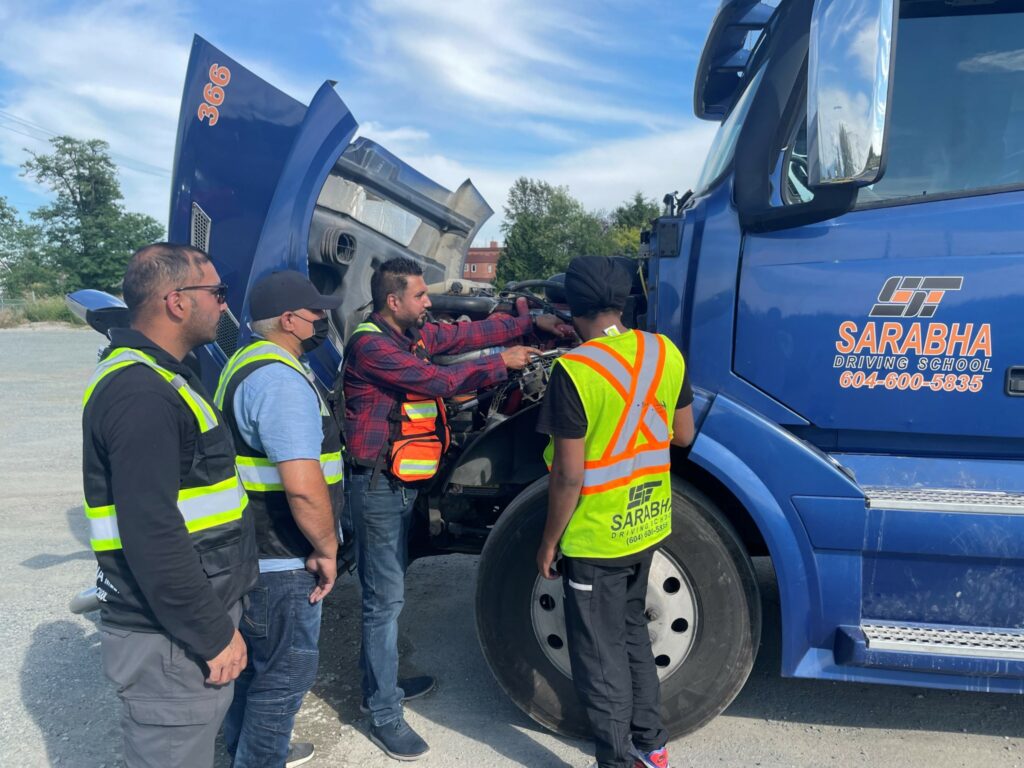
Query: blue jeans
point(281, 630)
point(380, 522)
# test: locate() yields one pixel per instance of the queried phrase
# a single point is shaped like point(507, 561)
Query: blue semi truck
point(843, 279)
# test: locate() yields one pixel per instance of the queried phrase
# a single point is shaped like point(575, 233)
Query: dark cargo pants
point(170, 716)
point(613, 668)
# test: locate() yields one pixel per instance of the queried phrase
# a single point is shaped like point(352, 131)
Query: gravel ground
point(61, 711)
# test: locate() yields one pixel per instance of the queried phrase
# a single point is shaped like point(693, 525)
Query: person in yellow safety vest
point(613, 407)
point(169, 519)
point(289, 459)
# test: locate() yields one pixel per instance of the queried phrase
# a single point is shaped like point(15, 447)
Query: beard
point(416, 321)
point(201, 328)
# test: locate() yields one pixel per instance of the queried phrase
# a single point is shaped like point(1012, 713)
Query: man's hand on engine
point(554, 326)
point(546, 322)
point(517, 358)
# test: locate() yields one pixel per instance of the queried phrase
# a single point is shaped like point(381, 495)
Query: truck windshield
point(957, 123)
point(958, 106)
point(724, 146)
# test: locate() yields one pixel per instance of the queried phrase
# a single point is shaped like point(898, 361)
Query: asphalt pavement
point(58, 709)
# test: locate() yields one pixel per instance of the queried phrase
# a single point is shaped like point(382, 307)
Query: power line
point(128, 162)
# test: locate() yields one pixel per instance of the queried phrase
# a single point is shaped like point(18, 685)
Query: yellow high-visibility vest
point(629, 385)
point(259, 474)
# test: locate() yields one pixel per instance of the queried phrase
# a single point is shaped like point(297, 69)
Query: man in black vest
point(168, 517)
point(289, 460)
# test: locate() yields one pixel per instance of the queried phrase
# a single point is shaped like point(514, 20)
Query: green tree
point(87, 233)
point(24, 267)
point(627, 222)
point(635, 213)
point(544, 228)
point(8, 226)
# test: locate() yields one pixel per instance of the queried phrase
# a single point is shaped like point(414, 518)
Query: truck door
point(902, 316)
point(895, 330)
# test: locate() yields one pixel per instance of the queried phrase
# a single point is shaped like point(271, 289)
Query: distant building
point(482, 263)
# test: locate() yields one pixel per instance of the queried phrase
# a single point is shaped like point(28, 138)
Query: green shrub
point(51, 309)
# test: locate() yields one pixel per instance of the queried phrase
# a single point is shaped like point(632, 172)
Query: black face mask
point(320, 327)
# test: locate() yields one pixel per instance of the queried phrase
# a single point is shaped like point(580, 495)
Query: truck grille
point(227, 333)
point(200, 235)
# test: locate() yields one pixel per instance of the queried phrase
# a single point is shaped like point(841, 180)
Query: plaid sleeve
point(385, 365)
point(453, 338)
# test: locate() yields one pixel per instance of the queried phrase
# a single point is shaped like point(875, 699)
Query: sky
point(595, 95)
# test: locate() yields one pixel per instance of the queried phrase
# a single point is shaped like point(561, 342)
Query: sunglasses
point(219, 291)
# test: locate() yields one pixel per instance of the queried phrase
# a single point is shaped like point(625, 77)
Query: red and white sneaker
point(657, 758)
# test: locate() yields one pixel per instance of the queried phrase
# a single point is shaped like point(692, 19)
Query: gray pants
point(170, 716)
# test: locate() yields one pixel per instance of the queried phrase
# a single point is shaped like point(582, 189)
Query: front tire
point(702, 598)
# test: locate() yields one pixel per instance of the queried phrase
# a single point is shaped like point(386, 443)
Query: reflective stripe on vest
point(122, 357)
point(420, 410)
point(628, 385)
point(201, 507)
point(417, 468)
point(416, 444)
point(261, 475)
point(620, 462)
point(254, 353)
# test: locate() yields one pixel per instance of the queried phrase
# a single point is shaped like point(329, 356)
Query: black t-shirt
point(562, 415)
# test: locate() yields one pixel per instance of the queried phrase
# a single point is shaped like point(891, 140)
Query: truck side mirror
point(849, 90)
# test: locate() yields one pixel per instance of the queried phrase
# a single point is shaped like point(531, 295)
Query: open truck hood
point(262, 182)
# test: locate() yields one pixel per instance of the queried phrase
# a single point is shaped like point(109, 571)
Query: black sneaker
point(299, 752)
point(412, 688)
point(398, 740)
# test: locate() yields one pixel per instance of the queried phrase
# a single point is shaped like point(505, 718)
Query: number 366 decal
point(213, 94)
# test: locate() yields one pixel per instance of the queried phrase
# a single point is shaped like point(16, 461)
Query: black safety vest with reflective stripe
point(211, 502)
point(277, 534)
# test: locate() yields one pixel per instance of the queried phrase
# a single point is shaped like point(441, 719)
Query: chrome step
point(935, 639)
point(945, 500)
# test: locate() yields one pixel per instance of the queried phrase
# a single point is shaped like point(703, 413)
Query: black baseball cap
point(286, 291)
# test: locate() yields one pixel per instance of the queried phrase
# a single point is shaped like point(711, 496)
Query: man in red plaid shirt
point(381, 368)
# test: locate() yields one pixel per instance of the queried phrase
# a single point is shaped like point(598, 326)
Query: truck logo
point(914, 356)
point(641, 494)
point(913, 296)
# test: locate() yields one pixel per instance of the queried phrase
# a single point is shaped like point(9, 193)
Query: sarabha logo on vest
point(642, 514)
point(641, 494)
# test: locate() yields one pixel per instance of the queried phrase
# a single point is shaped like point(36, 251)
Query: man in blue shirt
point(289, 460)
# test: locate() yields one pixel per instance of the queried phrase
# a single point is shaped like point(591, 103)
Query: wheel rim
point(671, 612)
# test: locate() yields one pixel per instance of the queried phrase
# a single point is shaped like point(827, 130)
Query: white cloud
point(109, 71)
point(399, 141)
point(549, 131)
point(995, 61)
point(602, 176)
point(114, 71)
point(499, 56)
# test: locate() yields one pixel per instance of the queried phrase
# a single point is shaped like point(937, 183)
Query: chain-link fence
point(9, 303)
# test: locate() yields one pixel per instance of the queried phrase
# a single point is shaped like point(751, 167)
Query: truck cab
point(842, 280)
